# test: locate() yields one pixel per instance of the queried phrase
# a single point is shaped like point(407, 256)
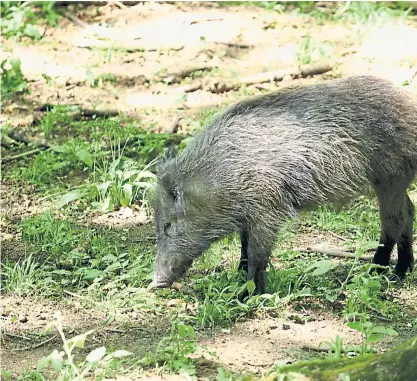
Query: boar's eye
point(166, 227)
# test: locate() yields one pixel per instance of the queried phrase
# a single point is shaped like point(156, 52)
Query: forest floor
point(76, 230)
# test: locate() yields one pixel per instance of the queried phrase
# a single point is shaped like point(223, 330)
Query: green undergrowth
point(102, 163)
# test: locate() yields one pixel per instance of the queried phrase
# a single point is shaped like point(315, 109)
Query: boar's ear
point(170, 153)
point(168, 182)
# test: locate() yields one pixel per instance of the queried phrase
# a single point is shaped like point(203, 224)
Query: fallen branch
point(49, 106)
point(178, 76)
point(206, 20)
point(124, 45)
point(35, 346)
point(19, 136)
point(22, 137)
point(189, 88)
point(262, 364)
point(232, 44)
point(7, 141)
point(78, 114)
point(319, 349)
point(347, 51)
point(272, 76)
point(23, 154)
point(17, 336)
point(338, 236)
point(334, 252)
point(114, 330)
point(175, 139)
point(74, 294)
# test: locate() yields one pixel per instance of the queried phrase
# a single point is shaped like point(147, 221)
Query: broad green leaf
point(149, 174)
point(15, 64)
point(90, 77)
point(121, 353)
point(109, 258)
point(128, 174)
point(59, 148)
point(321, 267)
point(181, 330)
point(375, 337)
point(20, 87)
point(69, 197)
point(251, 286)
point(57, 364)
point(142, 184)
point(103, 187)
point(112, 267)
point(383, 330)
point(106, 205)
point(356, 326)
point(32, 31)
point(42, 363)
point(127, 194)
point(79, 340)
point(92, 274)
point(85, 156)
point(114, 165)
point(191, 332)
point(96, 355)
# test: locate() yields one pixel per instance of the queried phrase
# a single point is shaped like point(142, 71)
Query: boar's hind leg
point(405, 242)
point(259, 251)
point(396, 212)
point(244, 239)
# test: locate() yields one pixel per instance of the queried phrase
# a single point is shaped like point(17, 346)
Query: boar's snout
point(163, 283)
point(162, 279)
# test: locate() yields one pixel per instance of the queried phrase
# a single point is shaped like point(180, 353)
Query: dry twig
point(75, 20)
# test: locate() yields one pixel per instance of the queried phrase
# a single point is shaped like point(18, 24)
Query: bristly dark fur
point(265, 159)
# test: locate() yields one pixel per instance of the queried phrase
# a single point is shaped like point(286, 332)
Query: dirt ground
point(219, 46)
